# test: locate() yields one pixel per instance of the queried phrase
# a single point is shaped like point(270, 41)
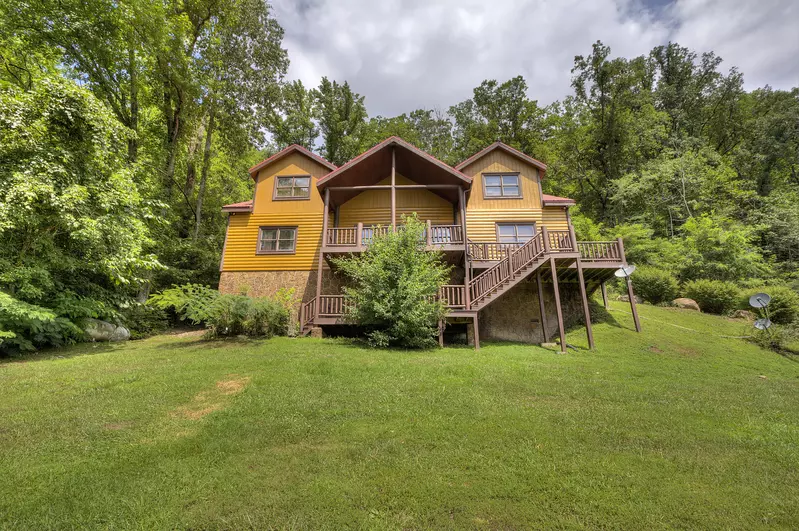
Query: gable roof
point(393, 140)
point(294, 148)
point(507, 149)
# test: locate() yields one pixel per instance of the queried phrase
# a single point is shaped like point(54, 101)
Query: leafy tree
point(394, 289)
point(341, 115)
point(292, 121)
point(71, 217)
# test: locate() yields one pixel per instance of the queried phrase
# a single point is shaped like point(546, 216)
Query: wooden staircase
point(515, 267)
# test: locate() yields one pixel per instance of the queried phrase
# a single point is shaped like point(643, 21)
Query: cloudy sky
point(407, 54)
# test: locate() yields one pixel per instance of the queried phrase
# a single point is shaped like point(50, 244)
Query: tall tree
point(341, 114)
point(292, 120)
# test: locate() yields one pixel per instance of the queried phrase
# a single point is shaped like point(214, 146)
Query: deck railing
point(507, 268)
point(444, 234)
point(560, 241)
point(600, 251)
point(490, 251)
point(453, 296)
point(342, 236)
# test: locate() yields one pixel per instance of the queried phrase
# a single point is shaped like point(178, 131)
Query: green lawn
point(669, 428)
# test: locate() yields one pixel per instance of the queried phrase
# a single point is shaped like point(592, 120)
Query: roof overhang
point(245, 206)
point(553, 200)
point(374, 165)
point(507, 149)
point(294, 148)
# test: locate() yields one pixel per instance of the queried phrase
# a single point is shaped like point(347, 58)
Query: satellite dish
point(763, 324)
point(625, 271)
point(759, 300)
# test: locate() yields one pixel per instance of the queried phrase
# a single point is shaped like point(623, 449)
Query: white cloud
point(407, 54)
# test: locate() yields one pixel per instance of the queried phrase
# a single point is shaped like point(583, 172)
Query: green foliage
point(720, 249)
point(655, 285)
point(394, 289)
point(144, 320)
point(228, 315)
point(713, 296)
point(784, 305)
point(25, 327)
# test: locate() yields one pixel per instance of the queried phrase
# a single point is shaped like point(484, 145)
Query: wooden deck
point(504, 265)
point(356, 239)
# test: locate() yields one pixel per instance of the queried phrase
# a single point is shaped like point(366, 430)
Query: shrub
point(655, 285)
point(784, 305)
point(25, 327)
point(713, 296)
point(228, 315)
point(143, 320)
point(394, 287)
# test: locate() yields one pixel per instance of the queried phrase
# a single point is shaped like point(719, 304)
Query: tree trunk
point(198, 215)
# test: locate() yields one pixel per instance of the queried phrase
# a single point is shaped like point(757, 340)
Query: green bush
point(228, 315)
point(25, 327)
point(713, 296)
point(655, 285)
point(394, 287)
point(784, 305)
point(143, 320)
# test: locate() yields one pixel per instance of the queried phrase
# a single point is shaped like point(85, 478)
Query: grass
point(674, 427)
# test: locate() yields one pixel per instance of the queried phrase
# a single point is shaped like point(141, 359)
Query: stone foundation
point(515, 316)
point(268, 283)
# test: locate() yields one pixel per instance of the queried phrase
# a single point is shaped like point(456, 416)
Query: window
point(293, 187)
point(501, 185)
point(515, 232)
point(277, 240)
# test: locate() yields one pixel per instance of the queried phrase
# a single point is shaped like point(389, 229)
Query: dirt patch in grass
point(206, 402)
point(115, 426)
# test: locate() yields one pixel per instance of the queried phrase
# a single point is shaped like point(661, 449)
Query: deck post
point(322, 250)
point(586, 309)
point(558, 308)
point(630, 293)
point(441, 334)
point(466, 262)
point(429, 233)
point(545, 238)
point(359, 235)
point(476, 332)
point(393, 188)
point(573, 238)
point(633, 307)
point(541, 308)
point(604, 295)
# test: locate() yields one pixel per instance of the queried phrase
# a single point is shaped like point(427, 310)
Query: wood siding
point(482, 215)
point(306, 215)
point(373, 207)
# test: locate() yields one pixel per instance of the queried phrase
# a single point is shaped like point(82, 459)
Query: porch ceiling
point(375, 165)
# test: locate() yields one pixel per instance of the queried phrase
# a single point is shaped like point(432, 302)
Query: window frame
point(277, 249)
point(276, 197)
point(515, 224)
point(501, 174)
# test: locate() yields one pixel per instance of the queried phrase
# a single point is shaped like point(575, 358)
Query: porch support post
point(441, 334)
point(586, 309)
point(541, 309)
point(629, 288)
point(429, 233)
point(604, 295)
point(393, 187)
point(558, 308)
point(632, 304)
point(359, 235)
point(476, 332)
point(467, 276)
point(325, 213)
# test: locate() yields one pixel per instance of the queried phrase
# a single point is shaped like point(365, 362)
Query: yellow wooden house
point(519, 273)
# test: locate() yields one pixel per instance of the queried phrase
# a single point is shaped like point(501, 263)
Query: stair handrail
point(508, 267)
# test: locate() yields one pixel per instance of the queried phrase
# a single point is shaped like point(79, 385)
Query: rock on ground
point(99, 330)
point(686, 304)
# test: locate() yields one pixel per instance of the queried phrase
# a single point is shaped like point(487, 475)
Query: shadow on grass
point(70, 351)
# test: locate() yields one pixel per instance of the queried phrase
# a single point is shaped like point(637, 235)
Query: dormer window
point(501, 185)
point(292, 187)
